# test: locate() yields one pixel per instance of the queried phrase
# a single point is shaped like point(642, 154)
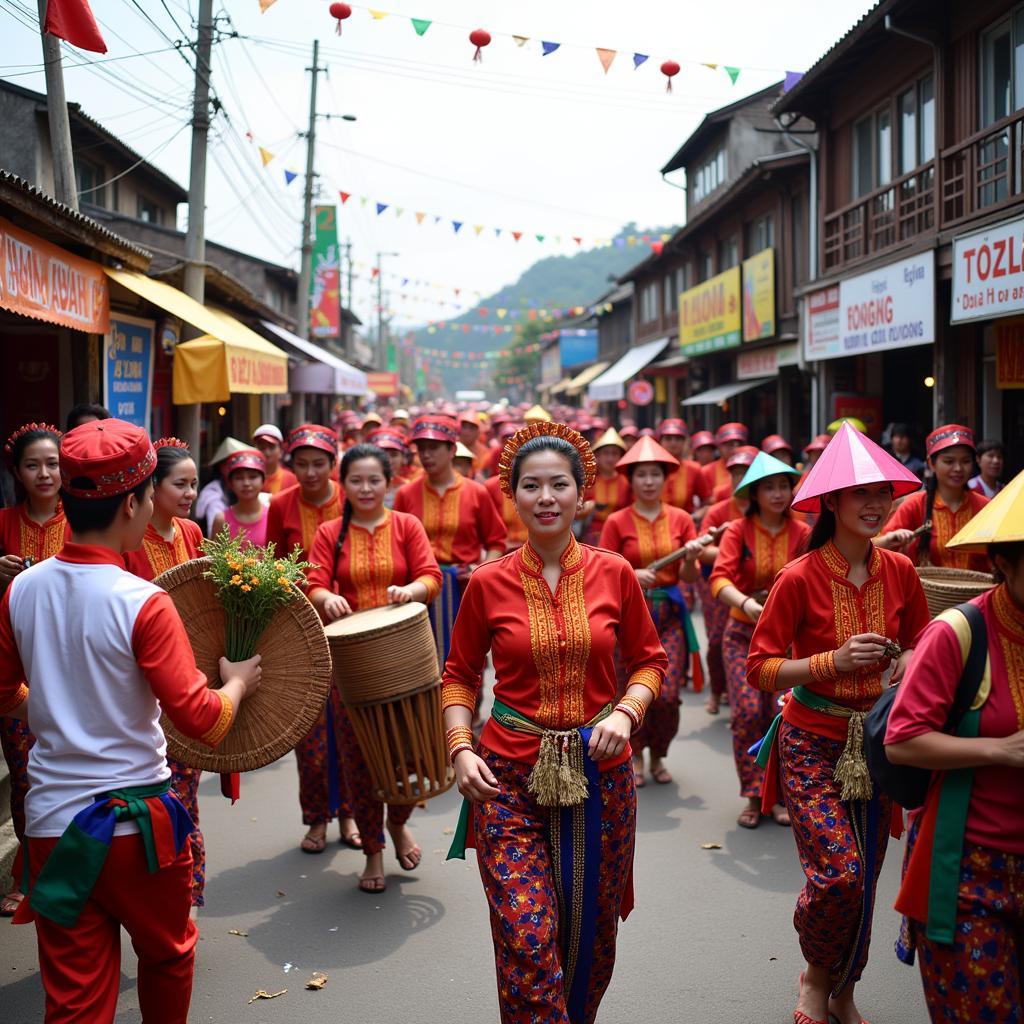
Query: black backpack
point(907, 785)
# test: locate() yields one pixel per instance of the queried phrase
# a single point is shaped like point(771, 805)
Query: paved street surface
point(711, 940)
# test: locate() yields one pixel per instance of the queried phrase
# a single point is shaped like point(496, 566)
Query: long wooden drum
point(385, 667)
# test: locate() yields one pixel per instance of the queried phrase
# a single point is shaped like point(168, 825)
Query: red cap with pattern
point(630, 431)
point(105, 458)
point(247, 458)
point(392, 440)
point(818, 444)
point(775, 443)
point(435, 428)
point(732, 432)
point(948, 436)
point(743, 456)
point(702, 439)
point(676, 427)
point(313, 435)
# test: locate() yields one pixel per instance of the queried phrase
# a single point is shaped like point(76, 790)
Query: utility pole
point(348, 292)
point(65, 188)
point(306, 267)
point(381, 350)
point(195, 237)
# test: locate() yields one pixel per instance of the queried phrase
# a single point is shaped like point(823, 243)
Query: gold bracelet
point(458, 749)
point(823, 667)
point(458, 737)
point(638, 706)
point(630, 713)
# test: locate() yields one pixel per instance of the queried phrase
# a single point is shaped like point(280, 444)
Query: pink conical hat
point(851, 459)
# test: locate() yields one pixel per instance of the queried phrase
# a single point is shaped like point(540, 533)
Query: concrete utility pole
point(306, 267)
point(347, 330)
point(65, 188)
point(195, 237)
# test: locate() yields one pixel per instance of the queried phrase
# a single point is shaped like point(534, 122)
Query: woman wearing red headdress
point(682, 486)
point(642, 533)
point(751, 552)
point(923, 524)
point(244, 473)
point(728, 438)
point(392, 441)
point(292, 521)
point(370, 557)
point(550, 801)
point(172, 539)
point(836, 620)
point(30, 531)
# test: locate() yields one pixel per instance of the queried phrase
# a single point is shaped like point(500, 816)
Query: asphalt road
point(710, 942)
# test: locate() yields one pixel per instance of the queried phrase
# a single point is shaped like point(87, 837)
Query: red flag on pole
point(73, 21)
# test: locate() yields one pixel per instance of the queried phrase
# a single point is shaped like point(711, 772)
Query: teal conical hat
point(764, 465)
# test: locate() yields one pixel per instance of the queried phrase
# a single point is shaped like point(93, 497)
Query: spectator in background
point(85, 412)
point(901, 444)
point(991, 456)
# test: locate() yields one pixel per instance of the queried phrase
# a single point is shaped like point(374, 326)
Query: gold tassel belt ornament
point(558, 778)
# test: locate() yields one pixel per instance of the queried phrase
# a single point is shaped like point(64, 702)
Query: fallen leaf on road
point(449, 831)
point(280, 892)
point(318, 980)
point(238, 931)
point(710, 846)
point(263, 994)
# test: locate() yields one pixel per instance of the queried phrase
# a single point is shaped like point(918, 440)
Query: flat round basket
point(296, 675)
point(946, 588)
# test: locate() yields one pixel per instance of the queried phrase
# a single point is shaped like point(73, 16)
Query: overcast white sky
point(542, 144)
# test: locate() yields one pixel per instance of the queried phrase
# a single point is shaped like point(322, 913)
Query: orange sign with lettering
point(45, 282)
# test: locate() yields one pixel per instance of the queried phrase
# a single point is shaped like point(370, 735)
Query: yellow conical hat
point(537, 415)
point(462, 452)
point(609, 437)
point(1001, 521)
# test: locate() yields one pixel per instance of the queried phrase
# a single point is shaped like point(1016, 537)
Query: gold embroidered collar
point(839, 566)
point(1009, 616)
point(570, 561)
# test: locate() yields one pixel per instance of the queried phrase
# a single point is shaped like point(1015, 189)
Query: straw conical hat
point(537, 415)
point(609, 437)
point(764, 465)
point(462, 452)
point(1001, 521)
point(227, 447)
point(648, 450)
point(850, 459)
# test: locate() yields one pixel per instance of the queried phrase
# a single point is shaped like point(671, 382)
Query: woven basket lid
point(296, 675)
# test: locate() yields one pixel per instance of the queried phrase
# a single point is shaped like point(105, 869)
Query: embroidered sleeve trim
point(20, 695)
point(214, 735)
point(433, 587)
point(770, 669)
point(458, 695)
point(648, 677)
point(719, 584)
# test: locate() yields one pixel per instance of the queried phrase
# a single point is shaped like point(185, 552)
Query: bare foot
point(350, 834)
point(661, 775)
point(813, 999)
point(638, 771)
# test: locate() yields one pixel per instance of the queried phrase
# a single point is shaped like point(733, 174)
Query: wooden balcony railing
point(983, 172)
point(882, 220)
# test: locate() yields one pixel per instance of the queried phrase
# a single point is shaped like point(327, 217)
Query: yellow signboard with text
point(759, 296)
point(709, 314)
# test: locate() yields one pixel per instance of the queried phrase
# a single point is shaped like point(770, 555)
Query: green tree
point(517, 374)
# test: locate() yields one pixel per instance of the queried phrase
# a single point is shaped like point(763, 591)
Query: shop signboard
point(859, 407)
point(640, 392)
point(709, 314)
point(759, 296)
point(891, 307)
point(325, 282)
point(44, 282)
point(128, 369)
point(988, 272)
point(382, 383)
point(766, 362)
point(1010, 354)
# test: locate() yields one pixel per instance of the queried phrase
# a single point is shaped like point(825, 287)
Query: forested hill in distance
point(554, 282)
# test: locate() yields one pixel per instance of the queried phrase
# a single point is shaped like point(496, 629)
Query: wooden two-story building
point(917, 310)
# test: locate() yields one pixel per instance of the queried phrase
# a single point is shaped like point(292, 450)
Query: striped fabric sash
point(443, 610)
point(673, 597)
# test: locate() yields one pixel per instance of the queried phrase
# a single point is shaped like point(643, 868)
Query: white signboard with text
point(988, 272)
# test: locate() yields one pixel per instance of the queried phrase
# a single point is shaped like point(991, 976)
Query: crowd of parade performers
point(573, 555)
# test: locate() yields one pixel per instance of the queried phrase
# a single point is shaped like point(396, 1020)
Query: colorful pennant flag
point(640, 58)
point(733, 73)
point(549, 47)
point(421, 25)
point(290, 176)
point(265, 155)
point(381, 207)
point(345, 197)
point(377, 15)
point(457, 224)
point(606, 57)
point(419, 217)
point(521, 40)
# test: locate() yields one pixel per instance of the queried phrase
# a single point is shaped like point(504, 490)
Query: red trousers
point(81, 966)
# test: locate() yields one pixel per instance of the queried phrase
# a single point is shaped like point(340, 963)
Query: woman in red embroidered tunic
point(836, 619)
point(369, 558)
point(751, 553)
point(245, 472)
point(551, 614)
point(172, 539)
point(645, 531)
point(947, 502)
point(293, 519)
point(30, 531)
point(611, 489)
point(965, 865)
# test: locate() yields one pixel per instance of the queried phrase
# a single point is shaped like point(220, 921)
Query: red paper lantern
point(669, 69)
point(340, 12)
point(480, 38)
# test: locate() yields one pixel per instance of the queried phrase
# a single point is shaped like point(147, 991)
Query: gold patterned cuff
point(19, 696)
point(719, 584)
point(648, 677)
point(769, 673)
point(458, 695)
point(433, 587)
point(823, 667)
point(219, 730)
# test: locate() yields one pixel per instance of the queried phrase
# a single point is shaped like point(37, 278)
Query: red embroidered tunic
point(460, 523)
point(713, 475)
point(396, 553)
point(683, 486)
point(275, 483)
point(723, 512)
point(292, 520)
point(813, 608)
point(514, 526)
point(158, 555)
point(750, 557)
point(553, 653)
point(609, 494)
point(640, 540)
point(21, 535)
point(995, 817)
point(945, 525)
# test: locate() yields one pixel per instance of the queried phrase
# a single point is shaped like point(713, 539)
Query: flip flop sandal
point(833, 1019)
point(414, 851)
point(373, 884)
point(354, 841)
point(313, 844)
point(750, 818)
point(662, 776)
point(777, 813)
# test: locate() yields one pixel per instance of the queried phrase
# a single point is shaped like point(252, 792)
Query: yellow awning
point(581, 380)
point(558, 388)
point(229, 359)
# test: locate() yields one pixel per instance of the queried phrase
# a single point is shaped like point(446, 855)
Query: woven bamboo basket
point(945, 588)
point(296, 663)
point(385, 667)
